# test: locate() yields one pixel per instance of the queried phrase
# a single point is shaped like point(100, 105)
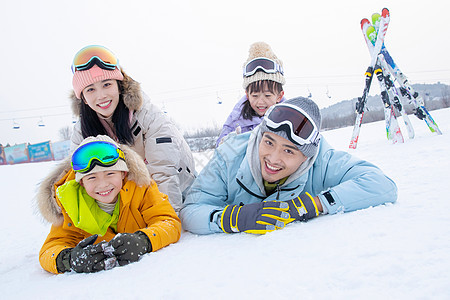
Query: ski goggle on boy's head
point(297, 124)
point(101, 153)
point(87, 57)
point(264, 64)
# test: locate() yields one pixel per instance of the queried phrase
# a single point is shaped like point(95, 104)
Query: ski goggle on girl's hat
point(87, 57)
point(297, 124)
point(100, 153)
point(264, 64)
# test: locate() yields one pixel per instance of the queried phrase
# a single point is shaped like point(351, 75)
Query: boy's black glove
point(84, 258)
point(128, 247)
point(302, 208)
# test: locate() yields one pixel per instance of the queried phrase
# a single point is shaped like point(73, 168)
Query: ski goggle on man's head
point(101, 153)
point(297, 124)
point(264, 64)
point(87, 57)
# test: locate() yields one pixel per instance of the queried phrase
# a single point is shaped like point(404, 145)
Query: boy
point(108, 192)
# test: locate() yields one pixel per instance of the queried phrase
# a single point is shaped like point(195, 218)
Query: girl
point(107, 192)
point(263, 85)
point(109, 102)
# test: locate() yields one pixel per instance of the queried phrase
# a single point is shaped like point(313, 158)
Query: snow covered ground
point(399, 251)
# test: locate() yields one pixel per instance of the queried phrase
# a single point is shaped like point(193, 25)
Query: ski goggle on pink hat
point(92, 55)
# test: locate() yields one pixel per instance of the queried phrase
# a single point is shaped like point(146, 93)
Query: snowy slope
point(399, 251)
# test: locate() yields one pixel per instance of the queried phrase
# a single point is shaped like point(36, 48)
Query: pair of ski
point(387, 87)
point(407, 91)
point(381, 65)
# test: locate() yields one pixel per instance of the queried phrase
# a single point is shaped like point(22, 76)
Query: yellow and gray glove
point(257, 218)
point(302, 208)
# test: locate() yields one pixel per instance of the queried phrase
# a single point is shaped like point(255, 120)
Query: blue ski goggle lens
point(297, 124)
point(264, 64)
point(101, 153)
point(92, 55)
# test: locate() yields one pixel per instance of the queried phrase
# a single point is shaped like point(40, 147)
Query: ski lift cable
point(33, 109)
point(199, 88)
point(357, 75)
point(35, 117)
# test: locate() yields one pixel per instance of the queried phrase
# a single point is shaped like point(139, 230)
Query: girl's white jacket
point(165, 152)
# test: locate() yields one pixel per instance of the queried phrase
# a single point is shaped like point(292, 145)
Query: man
point(282, 171)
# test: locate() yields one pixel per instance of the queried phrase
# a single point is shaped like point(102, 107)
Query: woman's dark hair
point(247, 111)
point(91, 126)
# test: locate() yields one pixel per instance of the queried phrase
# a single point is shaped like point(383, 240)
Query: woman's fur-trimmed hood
point(45, 197)
point(131, 95)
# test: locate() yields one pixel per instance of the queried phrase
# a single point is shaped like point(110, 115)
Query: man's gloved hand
point(128, 247)
point(302, 208)
point(257, 218)
point(87, 257)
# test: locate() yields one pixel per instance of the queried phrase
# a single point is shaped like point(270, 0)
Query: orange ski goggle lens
point(94, 54)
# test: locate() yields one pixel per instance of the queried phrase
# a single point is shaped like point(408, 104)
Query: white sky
point(186, 54)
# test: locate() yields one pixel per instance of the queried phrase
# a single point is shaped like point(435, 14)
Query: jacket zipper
point(248, 191)
point(278, 191)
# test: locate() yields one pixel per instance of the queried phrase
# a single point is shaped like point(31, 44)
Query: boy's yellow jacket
point(142, 208)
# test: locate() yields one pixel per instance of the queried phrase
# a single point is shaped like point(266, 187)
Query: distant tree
point(65, 133)
point(446, 96)
point(212, 131)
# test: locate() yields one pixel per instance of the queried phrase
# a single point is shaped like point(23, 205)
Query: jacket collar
point(46, 195)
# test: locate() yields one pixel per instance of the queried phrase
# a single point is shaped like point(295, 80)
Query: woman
point(109, 102)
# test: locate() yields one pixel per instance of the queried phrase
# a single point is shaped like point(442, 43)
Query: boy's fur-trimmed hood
point(45, 197)
point(131, 95)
